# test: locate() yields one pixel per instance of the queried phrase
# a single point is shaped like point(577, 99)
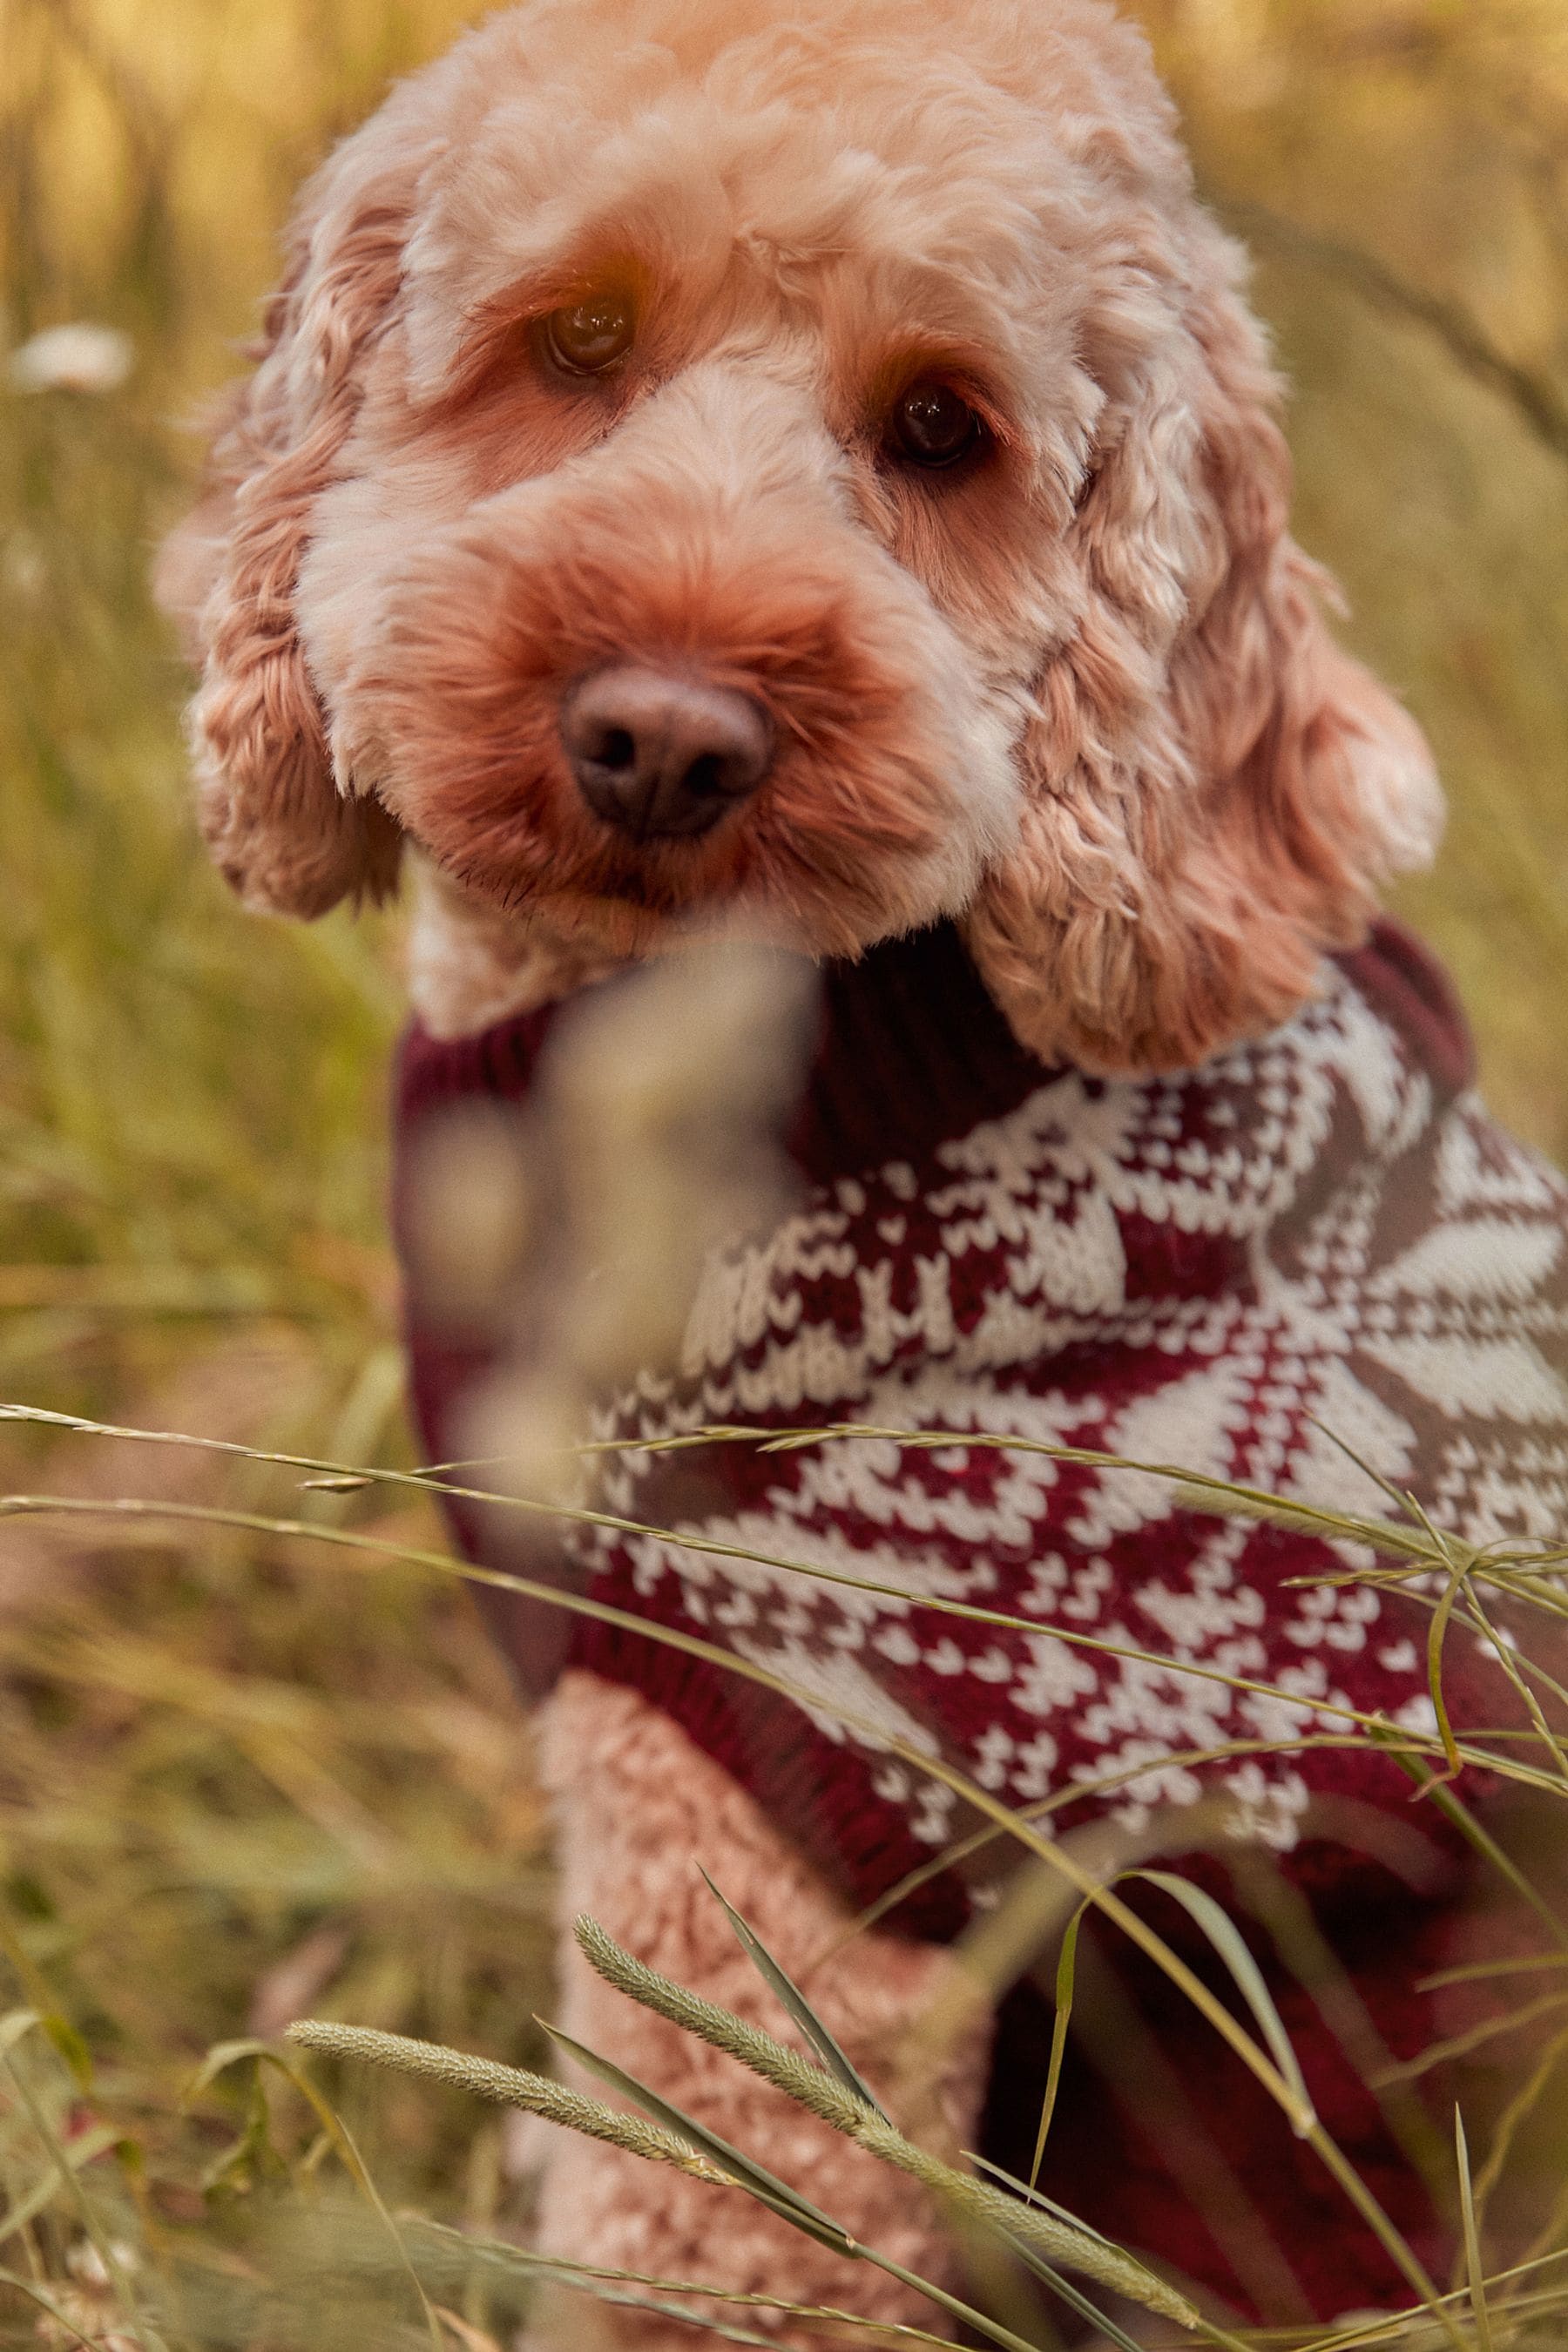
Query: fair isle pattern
point(1199, 1271)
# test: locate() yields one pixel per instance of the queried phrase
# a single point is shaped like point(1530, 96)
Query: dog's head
point(809, 470)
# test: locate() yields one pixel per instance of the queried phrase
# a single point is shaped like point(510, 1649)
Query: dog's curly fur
point(1079, 693)
point(629, 1825)
point(1083, 695)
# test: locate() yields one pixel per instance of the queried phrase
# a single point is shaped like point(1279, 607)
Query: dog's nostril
point(656, 754)
point(705, 776)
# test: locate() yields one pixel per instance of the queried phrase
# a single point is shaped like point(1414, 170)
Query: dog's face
point(806, 471)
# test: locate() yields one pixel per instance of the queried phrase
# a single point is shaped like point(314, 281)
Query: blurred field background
point(235, 1781)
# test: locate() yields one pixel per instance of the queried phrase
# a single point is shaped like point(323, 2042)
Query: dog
point(808, 475)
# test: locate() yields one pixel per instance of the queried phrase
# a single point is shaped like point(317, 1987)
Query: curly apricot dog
point(808, 471)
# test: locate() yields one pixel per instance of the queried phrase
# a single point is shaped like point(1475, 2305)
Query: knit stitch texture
point(1320, 1234)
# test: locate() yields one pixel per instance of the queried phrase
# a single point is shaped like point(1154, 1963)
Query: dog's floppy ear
point(278, 825)
point(1214, 788)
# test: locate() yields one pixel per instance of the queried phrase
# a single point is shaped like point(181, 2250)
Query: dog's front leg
point(639, 1807)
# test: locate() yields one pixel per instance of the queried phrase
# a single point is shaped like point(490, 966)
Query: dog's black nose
point(658, 754)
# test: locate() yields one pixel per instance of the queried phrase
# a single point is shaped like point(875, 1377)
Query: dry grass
point(102, 2191)
point(240, 1776)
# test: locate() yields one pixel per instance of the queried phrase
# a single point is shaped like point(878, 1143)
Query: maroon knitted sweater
point(1320, 1231)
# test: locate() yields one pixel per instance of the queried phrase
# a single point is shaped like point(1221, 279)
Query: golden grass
point(253, 2257)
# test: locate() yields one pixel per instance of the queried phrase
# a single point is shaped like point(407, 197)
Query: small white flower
point(80, 358)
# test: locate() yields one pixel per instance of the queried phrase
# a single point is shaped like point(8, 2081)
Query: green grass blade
point(743, 2170)
point(1474, 2270)
point(776, 2195)
point(793, 2001)
point(1224, 1935)
point(1067, 1965)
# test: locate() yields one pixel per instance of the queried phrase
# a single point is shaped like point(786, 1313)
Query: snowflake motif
point(1223, 1272)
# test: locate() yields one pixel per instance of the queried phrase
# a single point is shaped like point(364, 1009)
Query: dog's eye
point(931, 425)
point(589, 336)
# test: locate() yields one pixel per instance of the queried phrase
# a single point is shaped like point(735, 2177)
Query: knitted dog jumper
point(1319, 1235)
